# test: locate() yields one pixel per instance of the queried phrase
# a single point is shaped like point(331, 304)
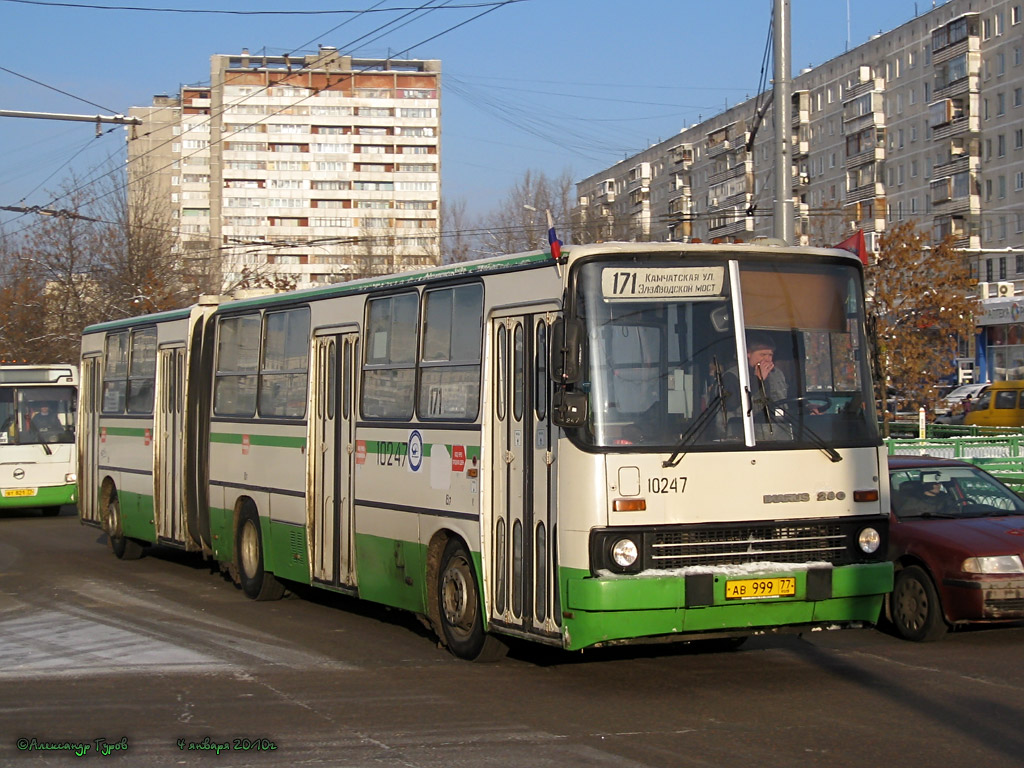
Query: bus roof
point(516, 261)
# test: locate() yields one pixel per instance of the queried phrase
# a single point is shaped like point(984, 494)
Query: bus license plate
point(746, 589)
point(9, 492)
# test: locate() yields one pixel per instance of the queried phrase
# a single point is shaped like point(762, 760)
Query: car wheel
point(916, 611)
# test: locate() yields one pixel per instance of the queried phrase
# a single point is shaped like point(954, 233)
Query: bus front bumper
point(622, 608)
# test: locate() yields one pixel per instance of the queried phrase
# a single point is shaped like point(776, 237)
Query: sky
point(540, 85)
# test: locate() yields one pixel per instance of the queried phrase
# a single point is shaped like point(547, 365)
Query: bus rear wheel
point(124, 548)
point(249, 554)
point(458, 603)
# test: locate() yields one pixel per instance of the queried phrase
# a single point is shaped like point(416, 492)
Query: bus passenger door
point(332, 458)
point(169, 442)
point(519, 533)
point(89, 439)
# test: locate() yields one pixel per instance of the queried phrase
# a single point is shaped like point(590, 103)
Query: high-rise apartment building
point(320, 168)
point(925, 122)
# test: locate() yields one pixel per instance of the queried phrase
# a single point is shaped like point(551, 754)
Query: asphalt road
point(146, 660)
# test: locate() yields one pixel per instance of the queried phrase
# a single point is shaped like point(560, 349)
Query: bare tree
point(64, 253)
point(520, 222)
point(140, 270)
point(456, 240)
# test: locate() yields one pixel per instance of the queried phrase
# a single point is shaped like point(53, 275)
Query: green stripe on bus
point(126, 431)
point(273, 441)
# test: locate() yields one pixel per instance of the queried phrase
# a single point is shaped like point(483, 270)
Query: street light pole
point(782, 105)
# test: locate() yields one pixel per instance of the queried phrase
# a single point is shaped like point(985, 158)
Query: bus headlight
point(869, 541)
point(70, 477)
point(624, 553)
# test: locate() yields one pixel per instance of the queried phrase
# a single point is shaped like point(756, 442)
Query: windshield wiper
point(813, 437)
point(706, 417)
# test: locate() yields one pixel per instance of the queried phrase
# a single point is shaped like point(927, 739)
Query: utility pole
point(782, 221)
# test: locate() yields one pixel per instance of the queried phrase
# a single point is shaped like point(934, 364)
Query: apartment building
point(925, 122)
point(319, 168)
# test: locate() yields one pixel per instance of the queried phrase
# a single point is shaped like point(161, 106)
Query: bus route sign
point(660, 283)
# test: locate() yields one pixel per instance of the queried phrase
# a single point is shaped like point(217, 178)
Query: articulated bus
point(38, 464)
point(563, 450)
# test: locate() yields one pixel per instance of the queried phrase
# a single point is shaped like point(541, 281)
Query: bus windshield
point(34, 415)
point(664, 345)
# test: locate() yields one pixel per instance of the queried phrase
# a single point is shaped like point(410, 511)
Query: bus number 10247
point(666, 484)
point(391, 454)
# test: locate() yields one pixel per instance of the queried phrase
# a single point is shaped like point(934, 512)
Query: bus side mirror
point(566, 356)
point(568, 409)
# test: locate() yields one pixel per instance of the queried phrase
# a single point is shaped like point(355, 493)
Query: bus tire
point(123, 547)
point(249, 554)
point(916, 610)
point(459, 609)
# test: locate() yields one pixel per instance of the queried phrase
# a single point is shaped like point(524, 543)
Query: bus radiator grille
point(789, 543)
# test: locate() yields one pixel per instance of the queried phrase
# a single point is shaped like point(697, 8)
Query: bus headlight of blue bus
point(625, 552)
point(869, 540)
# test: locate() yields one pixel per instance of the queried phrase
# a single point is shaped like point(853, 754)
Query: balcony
point(743, 225)
point(969, 204)
point(956, 165)
point(867, 156)
point(860, 122)
point(962, 125)
point(732, 173)
point(864, 193)
point(966, 45)
point(719, 149)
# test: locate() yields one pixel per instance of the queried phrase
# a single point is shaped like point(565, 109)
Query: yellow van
point(1001, 405)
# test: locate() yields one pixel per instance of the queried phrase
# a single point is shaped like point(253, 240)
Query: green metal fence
point(1000, 454)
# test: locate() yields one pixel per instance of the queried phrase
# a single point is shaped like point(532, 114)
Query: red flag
point(855, 245)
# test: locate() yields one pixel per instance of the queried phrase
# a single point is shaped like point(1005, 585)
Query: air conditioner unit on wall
point(1004, 289)
point(983, 290)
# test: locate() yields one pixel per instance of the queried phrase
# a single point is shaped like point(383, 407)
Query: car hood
point(973, 536)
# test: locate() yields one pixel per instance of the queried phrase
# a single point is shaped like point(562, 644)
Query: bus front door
point(522, 514)
point(169, 445)
point(331, 459)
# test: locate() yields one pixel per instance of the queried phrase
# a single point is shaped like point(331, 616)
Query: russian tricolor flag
point(553, 241)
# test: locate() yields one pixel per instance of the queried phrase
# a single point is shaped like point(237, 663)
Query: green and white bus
point(38, 464)
point(560, 450)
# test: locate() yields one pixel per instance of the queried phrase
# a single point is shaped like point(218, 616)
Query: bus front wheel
point(124, 548)
point(249, 554)
point(458, 603)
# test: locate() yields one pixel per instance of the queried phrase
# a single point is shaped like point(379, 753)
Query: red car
point(956, 536)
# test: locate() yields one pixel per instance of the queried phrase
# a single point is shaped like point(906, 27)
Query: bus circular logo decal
point(415, 450)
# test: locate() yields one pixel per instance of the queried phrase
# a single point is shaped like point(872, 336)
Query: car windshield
point(664, 337)
point(950, 492)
